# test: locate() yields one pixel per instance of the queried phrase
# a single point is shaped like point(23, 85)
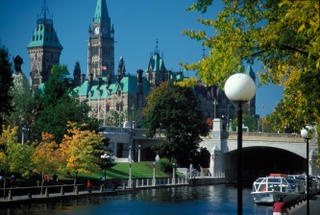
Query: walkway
point(302, 208)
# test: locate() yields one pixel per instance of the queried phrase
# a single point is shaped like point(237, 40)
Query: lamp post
point(173, 173)
point(154, 174)
point(130, 168)
point(239, 88)
point(307, 134)
point(156, 160)
point(105, 157)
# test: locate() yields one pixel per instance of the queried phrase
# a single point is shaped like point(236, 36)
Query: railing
point(38, 192)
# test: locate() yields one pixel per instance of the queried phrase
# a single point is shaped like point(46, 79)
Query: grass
point(121, 170)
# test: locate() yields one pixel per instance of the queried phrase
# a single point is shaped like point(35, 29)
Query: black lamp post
point(239, 88)
point(307, 134)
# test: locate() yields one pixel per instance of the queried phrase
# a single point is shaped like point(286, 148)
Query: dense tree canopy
point(55, 105)
point(5, 85)
point(174, 109)
point(283, 35)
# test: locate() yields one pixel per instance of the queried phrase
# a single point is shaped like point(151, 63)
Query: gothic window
point(37, 37)
point(107, 108)
point(40, 37)
point(32, 38)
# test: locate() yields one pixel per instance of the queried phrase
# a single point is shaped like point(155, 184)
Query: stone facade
point(44, 51)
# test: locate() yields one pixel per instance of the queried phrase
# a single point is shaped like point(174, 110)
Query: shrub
point(165, 165)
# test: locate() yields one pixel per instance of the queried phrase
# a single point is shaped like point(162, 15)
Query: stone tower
point(156, 72)
point(101, 43)
point(44, 50)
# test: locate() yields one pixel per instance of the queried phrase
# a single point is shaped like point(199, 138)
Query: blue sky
point(138, 24)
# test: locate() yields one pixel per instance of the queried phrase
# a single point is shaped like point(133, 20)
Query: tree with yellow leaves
point(283, 35)
point(45, 156)
point(80, 150)
point(13, 155)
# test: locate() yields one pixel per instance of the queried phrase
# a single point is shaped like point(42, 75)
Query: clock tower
point(101, 43)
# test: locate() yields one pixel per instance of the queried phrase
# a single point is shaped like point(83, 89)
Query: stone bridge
point(263, 153)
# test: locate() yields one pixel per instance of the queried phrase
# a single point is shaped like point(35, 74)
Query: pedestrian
point(89, 186)
point(279, 207)
point(46, 177)
point(13, 180)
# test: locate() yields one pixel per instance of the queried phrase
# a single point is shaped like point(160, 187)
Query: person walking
point(279, 207)
point(89, 186)
point(46, 178)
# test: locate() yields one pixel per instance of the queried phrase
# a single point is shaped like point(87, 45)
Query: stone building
point(44, 50)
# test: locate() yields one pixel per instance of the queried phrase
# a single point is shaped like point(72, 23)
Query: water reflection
point(217, 200)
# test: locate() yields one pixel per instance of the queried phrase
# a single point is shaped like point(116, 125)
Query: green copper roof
point(156, 63)
point(101, 12)
point(250, 72)
point(45, 35)
point(127, 84)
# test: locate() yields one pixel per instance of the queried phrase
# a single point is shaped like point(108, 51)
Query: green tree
point(283, 35)
point(248, 120)
point(5, 84)
point(22, 103)
point(56, 104)
point(175, 110)
point(14, 156)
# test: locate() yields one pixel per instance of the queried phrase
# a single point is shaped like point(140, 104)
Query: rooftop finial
point(157, 46)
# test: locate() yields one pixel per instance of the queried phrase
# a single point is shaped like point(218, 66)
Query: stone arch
point(261, 161)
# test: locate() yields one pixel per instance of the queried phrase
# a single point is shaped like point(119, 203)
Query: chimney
point(99, 82)
point(169, 75)
point(140, 72)
point(90, 79)
point(139, 81)
point(108, 80)
point(82, 79)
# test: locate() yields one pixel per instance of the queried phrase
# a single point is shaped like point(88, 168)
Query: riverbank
point(61, 192)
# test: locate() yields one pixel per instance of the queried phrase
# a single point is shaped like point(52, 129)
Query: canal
point(215, 199)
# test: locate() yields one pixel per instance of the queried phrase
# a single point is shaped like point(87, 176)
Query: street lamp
point(239, 88)
point(105, 157)
point(307, 134)
point(130, 168)
point(156, 159)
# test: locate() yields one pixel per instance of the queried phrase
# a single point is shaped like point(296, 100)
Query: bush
point(165, 165)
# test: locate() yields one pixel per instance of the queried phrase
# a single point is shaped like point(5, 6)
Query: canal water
point(206, 200)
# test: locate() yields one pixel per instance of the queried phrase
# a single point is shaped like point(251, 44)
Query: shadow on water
point(216, 199)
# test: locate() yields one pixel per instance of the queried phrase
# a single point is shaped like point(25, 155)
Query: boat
point(267, 190)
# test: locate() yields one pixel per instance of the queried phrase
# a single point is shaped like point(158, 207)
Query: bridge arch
point(263, 160)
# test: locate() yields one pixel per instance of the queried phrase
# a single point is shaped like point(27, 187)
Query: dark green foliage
point(56, 105)
point(5, 84)
point(204, 158)
point(248, 120)
point(165, 165)
point(176, 112)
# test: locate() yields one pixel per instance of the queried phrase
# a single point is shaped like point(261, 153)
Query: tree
point(22, 103)
point(56, 104)
point(79, 149)
point(248, 120)
point(13, 156)
point(174, 109)
point(5, 84)
point(283, 35)
point(45, 157)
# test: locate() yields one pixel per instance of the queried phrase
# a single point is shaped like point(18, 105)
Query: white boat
point(267, 190)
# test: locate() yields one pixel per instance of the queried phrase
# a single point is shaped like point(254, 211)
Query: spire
point(44, 34)
point(101, 14)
